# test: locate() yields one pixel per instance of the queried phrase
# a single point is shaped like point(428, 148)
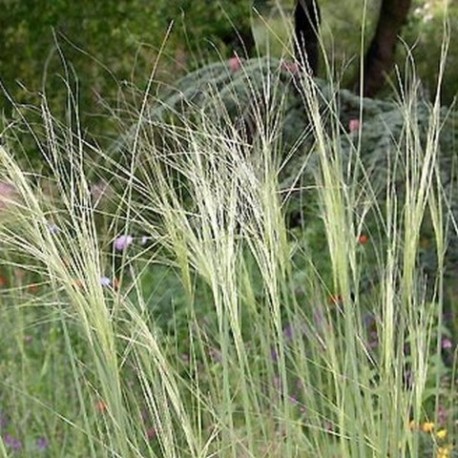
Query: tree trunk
point(379, 58)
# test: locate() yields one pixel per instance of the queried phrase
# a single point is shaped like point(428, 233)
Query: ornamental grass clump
point(219, 338)
point(386, 178)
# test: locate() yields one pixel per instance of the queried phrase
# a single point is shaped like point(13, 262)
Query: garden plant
point(262, 264)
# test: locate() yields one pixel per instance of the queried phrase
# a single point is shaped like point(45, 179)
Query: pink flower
point(290, 67)
point(8, 193)
point(235, 64)
point(100, 191)
point(354, 125)
point(123, 242)
point(442, 415)
point(151, 433)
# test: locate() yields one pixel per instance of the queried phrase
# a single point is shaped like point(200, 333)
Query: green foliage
point(82, 53)
point(259, 91)
point(246, 102)
point(221, 338)
point(202, 27)
point(433, 24)
point(103, 52)
point(228, 333)
point(341, 35)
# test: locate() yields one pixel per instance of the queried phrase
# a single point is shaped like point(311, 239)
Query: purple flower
point(12, 442)
point(442, 415)
point(122, 242)
point(446, 343)
point(105, 281)
point(273, 354)
point(53, 228)
point(42, 443)
point(3, 420)
point(288, 332)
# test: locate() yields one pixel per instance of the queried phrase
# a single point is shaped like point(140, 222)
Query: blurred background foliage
point(104, 51)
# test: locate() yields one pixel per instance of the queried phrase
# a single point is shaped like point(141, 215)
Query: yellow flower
point(427, 427)
point(444, 452)
point(441, 434)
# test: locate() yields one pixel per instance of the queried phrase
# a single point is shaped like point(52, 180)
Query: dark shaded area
point(241, 41)
point(306, 27)
point(379, 58)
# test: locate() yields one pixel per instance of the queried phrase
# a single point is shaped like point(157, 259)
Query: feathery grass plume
point(233, 216)
point(246, 103)
point(69, 261)
point(271, 366)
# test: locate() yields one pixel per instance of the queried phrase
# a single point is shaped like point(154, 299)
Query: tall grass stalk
point(212, 205)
